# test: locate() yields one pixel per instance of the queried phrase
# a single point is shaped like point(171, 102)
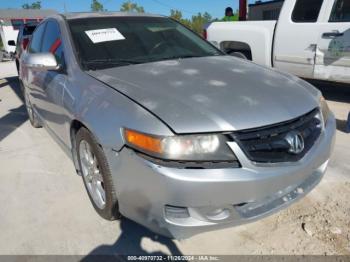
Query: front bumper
point(180, 203)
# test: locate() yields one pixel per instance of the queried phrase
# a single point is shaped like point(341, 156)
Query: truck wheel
point(239, 55)
point(96, 175)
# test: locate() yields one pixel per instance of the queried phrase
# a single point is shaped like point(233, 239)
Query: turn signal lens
point(324, 109)
point(142, 141)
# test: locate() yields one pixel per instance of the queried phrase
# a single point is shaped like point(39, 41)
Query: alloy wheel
point(92, 175)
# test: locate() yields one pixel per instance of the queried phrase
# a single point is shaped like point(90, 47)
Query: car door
point(53, 84)
point(32, 78)
point(296, 37)
point(333, 47)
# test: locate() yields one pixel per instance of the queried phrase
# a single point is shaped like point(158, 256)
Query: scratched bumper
point(180, 203)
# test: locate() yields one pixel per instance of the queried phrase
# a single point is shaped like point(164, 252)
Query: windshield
point(28, 30)
point(118, 41)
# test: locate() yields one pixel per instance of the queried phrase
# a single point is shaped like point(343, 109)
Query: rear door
point(333, 47)
point(296, 37)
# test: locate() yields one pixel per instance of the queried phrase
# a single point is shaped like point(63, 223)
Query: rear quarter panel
point(257, 34)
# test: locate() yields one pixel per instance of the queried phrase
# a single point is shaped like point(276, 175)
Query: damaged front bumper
point(180, 203)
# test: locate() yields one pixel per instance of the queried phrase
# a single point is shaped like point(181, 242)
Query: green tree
point(96, 6)
point(177, 15)
point(131, 7)
point(34, 5)
point(199, 21)
point(196, 23)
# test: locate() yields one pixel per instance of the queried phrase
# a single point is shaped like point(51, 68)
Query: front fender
point(105, 111)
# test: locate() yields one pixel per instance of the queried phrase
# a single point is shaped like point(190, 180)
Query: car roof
point(78, 15)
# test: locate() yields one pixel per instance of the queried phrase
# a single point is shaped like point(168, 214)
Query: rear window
point(28, 30)
point(17, 23)
point(306, 11)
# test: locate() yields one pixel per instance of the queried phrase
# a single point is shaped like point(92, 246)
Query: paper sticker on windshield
point(104, 35)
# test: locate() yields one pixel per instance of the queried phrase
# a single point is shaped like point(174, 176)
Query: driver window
point(306, 11)
point(340, 11)
point(52, 42)
point(35, 44)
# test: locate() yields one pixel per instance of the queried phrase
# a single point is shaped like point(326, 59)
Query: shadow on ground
point(16, 116)
point(342, 126)
point(129, 243)
point(333, 91)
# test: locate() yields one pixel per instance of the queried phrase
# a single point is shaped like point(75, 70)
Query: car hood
point(211, 94)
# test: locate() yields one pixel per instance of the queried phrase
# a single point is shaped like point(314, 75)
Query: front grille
point(269, 144)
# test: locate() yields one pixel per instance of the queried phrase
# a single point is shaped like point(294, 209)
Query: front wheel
point(96, 175)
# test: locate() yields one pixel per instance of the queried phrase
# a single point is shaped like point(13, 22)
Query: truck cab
point(311, 39)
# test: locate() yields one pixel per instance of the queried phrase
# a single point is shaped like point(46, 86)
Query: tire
point(106, 205)
point(239, 55)
point(34, 121)
point(17, 66)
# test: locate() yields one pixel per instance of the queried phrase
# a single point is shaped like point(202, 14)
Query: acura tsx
point(167, 130)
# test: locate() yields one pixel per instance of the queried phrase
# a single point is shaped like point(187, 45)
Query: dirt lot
point(45, 209)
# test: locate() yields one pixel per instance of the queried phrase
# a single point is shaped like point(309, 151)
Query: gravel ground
point(45, 209)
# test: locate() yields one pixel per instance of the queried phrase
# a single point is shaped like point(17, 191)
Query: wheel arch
point(237, 46)
point(74, 128)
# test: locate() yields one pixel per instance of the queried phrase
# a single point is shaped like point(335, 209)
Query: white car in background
point(311, 39)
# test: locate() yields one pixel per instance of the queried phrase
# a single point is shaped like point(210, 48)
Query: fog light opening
point(218, 214)
point(176, 212)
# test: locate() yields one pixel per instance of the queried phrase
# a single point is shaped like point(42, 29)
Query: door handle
point(332, 34)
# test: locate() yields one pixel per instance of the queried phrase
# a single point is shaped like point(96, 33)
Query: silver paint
point(198, 95)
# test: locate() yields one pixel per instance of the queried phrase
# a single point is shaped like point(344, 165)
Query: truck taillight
point(25, 43)
point(205, 34)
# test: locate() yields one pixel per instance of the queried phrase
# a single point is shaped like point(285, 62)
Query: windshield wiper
point(184, 57)
point(103, 63)
point(181, 57)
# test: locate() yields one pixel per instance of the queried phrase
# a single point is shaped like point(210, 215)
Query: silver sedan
point(167, 130)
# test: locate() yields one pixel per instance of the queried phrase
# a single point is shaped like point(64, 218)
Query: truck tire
point(1, 56)
point(17, 66)
point(239, 55)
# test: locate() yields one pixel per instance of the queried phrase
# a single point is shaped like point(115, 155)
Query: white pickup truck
point(311, 39)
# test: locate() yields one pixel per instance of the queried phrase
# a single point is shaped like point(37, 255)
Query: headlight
point(206, 147)
point(324, 109)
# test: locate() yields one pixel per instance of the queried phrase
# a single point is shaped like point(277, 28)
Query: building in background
point(269, 10)
point(10, 22)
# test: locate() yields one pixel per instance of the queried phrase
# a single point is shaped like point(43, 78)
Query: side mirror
point(41, 61)
point(11, 43)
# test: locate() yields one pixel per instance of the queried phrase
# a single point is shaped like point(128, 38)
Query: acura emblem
point(296, 142)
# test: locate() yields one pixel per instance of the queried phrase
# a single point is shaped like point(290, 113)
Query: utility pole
point(243, 9)
point(64, 7)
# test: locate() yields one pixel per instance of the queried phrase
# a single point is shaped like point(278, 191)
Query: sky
point(188, 7)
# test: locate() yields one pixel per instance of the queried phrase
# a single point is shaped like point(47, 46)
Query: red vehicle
point(24, 35)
